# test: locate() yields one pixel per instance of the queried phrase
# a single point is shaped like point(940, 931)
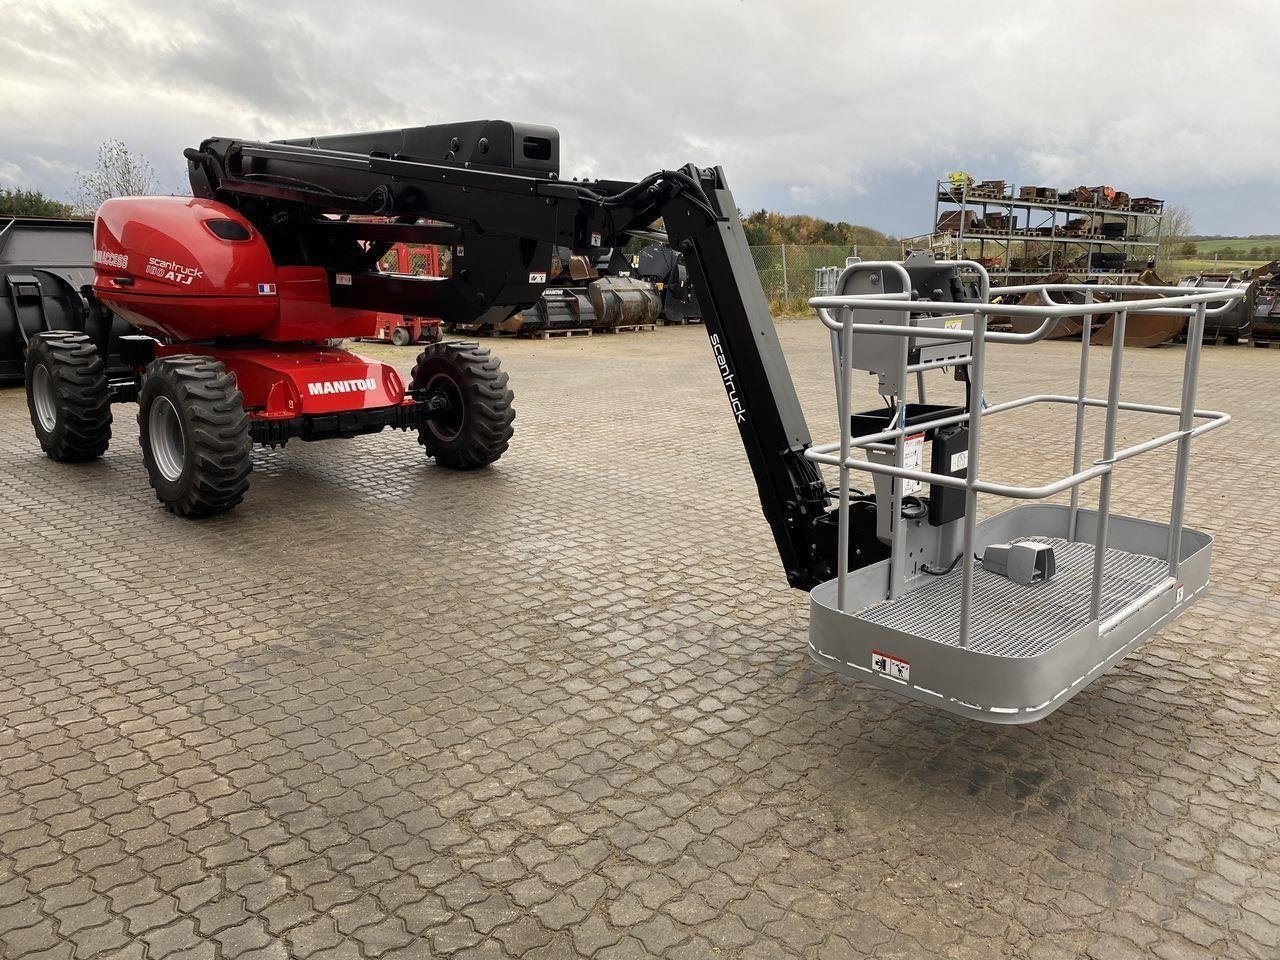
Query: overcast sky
point(846, 110)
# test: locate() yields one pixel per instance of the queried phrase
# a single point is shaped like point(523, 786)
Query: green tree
point(32, 203)
point(1188, 249)
point(1175, 232)
point(767, 228)
point(119, 172)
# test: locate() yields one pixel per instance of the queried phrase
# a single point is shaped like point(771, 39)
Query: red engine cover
point(185, 269)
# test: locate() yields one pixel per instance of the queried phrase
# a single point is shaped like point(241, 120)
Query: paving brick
point(313, 936)
point(244, 938)
point(592, 729)
point(285, 914)
point(39, 936)
point(95, 941)
point(386, 935)
point(176, 937)
point(150, 915)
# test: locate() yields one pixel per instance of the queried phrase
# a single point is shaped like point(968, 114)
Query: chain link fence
point(791, 274)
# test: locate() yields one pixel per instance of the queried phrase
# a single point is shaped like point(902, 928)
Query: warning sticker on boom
point(890, 666)
point(913, 459)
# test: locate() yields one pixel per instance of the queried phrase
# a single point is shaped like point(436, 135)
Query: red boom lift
point(238, 289)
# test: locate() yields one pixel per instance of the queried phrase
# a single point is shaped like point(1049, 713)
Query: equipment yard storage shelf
point(960, 637)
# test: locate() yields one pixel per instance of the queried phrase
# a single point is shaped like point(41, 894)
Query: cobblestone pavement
point(563, 707)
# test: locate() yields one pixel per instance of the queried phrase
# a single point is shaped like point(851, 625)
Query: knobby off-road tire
point(194, 435)
point(478, 428)
point(67, 396)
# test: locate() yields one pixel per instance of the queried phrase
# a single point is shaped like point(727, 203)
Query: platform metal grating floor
point(1013, 620)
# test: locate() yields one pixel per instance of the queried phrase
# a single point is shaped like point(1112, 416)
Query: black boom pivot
point(490, 190)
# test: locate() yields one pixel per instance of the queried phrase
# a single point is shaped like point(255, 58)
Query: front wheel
point(194, 435)
point(477, 428)
point(67, 396)
point(401, 337)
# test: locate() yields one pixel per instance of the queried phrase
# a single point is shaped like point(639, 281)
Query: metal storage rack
point(1028, 224)
point(968, 641)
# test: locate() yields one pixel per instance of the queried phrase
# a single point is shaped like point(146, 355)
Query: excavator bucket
point(1234, 323)
point(1142, 329)
point(623, 302)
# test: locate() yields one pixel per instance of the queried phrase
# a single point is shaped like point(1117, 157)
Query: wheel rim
point(449, 425)
point(42, 395)
point(164, 434)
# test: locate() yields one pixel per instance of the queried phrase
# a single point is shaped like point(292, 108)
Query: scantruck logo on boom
point(730, 386)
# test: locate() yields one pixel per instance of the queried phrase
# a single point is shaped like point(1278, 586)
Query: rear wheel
point(194, 435)
point(401, 337)
point(478, 426)
point(67, 396)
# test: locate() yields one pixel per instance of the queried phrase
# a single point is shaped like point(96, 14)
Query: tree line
point(118, 172)
point(1256, 252)
point(768, 228)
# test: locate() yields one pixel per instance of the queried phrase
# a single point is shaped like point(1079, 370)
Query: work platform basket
point(968, 640)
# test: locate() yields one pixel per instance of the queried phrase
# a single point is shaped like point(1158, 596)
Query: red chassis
point(235, 351)
point(198, 277)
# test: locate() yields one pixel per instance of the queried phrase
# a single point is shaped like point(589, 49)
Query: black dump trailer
point(664, 267)
point(46, 268)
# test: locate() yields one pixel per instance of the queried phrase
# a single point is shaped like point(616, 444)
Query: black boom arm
point(490, 191)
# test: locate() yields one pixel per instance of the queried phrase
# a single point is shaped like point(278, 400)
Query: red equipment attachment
point(413, 260)
point(404, 330)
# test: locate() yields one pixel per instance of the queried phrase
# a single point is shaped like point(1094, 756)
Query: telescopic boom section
point(493, 196)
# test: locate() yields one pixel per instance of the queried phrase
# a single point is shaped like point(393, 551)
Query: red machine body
point(187, 269)
point(291, 380)
point(195, 272)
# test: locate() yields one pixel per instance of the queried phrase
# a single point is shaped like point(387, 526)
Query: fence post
point(786, 290)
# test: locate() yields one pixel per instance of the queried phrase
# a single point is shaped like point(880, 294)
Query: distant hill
point(1258, 247)
point(765, 227)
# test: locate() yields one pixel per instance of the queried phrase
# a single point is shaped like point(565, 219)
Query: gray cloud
point(837, 108)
